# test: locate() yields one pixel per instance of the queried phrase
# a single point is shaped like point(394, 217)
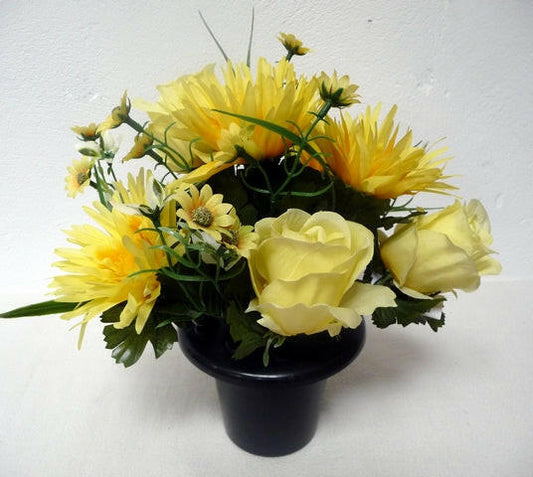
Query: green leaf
point(384, 317)
point(128, 345)
point(276, 128)
point(436, 323)
point(163, 338)
point(213, 36)
point(51, 307)
point(409, 311)
point(245, 331)
point(112, 315)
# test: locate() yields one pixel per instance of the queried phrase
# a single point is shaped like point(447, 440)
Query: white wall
point(460, 69)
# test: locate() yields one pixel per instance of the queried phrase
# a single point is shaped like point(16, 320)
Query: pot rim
point(298, 361)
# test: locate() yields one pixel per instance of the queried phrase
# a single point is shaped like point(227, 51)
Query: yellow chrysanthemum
point(99, 268)
point(187, 105)
point(371, 159)
point(204, 211)
point(79, 176)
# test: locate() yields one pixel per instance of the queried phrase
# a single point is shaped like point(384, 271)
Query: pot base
point(270, 420)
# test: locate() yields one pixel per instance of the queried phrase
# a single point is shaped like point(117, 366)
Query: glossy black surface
point(274, 410)
point(302, 359)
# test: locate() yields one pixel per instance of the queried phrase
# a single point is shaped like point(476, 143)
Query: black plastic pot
point(271, 411)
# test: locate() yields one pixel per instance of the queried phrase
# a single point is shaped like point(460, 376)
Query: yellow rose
point(304, 269)
point(441, 252)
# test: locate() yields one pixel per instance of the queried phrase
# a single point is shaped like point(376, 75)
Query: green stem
point(101, 194)
point(157, 224)
point(301, 146)
point(150, 152)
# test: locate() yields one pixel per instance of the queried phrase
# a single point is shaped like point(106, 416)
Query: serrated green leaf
point(409, 311)
point(127, 345)
point(436, 323)
point(245, 331)
point(248, 345)
point(112, 315)
point(163, 338)
point(384, 317)
point(50, 307)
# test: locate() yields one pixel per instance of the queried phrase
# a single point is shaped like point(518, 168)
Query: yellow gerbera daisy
point(372, 160)
point(204, 211)
point(187, 105)
point(99, 268)
point(79, 176)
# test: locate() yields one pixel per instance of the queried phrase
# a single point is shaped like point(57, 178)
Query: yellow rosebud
point(304, 273)
point(117, 116)
point(441, 252)
point(142, 142)
point(338, 91)
point(293, 45)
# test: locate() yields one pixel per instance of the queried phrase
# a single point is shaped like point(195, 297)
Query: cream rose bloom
point(304, 270)
point(441, 252)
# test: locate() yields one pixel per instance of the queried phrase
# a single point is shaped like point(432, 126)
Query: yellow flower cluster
point(306, 270)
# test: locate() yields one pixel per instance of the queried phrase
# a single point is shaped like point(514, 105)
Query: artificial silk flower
point(241, 238)
point(87, 133)
point(203, 210)
point(339, 92)
point(117, 116)
point(188, 109)
point(99, 269)
point(441, 252)
point(79, 176)
point(140, 146)
point(370, 158)
point(293, 45)
point(304, 273)
point(142, 197)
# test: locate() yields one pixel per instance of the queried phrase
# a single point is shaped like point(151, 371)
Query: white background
point(456, 69)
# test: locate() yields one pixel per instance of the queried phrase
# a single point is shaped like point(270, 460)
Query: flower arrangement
point(269, 207)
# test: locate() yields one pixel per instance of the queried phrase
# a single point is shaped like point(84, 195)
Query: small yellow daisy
point(87, 133)
point(203, 210)
point(242, 238)
point(79, 176)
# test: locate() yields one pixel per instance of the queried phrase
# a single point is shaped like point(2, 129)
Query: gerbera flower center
point(202, 216)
